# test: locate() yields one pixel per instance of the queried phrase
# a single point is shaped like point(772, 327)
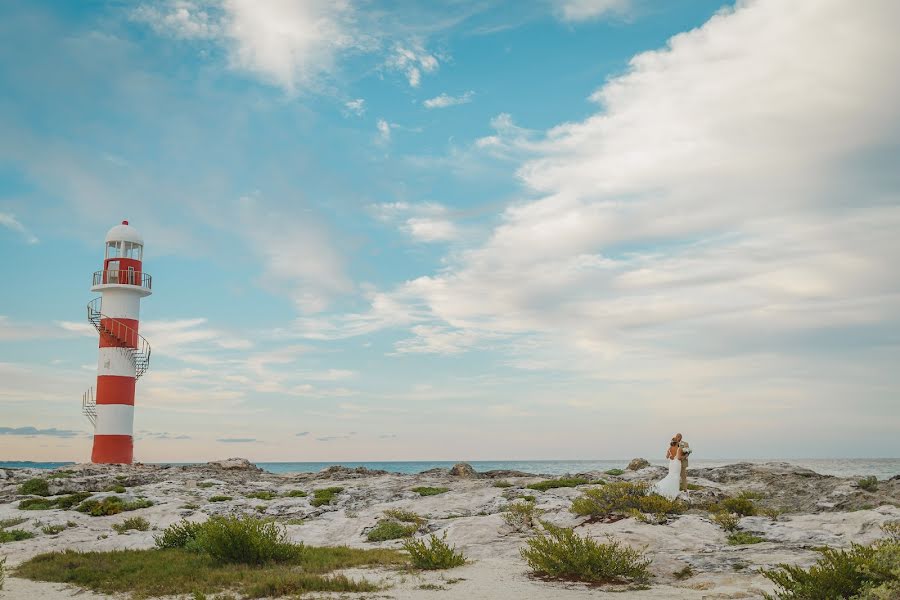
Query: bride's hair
point(673, 443)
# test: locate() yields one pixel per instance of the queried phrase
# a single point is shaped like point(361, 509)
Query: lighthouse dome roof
point(124, 233)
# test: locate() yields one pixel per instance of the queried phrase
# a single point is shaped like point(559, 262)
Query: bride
point(669, 485)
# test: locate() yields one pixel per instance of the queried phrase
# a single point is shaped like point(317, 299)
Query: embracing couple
point(676, 480)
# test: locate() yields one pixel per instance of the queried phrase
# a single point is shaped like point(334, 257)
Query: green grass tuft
point(296, 494)
point(741, 505)
point(549, 484)
point(624, 498)
point(35, 487)
point(14, 535)
point(220, 498)
point(325, 496)
point(562, 554)
point(433, 554)
point(54, 529)
point(132, 524)
point(205, 484)
point(521, 516)
point(430, 491)
point(262, 495)
point(405, 516)
point(726, 520)
point(111, 505)
point(502, 484)
point(615, 472)
point(117, 488)
point(4, 523)
point(388, 529)
point(740, 538)
point(868, 484)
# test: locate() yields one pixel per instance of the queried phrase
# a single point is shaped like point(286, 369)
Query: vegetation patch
point(111, 505)
point(726, 520)
point(61, 502)
point(117, 488)
point(625, 498)
point(521, 516)
point(262, 495)
point(132, 524)
point(388, 529)
point(740, 538)
point(686, 573)
point(868, 484)
point(14, 535)
point(433, 554)
point(741, 505)
point(205, 484)
point(2, 572)
point(324, 496)
point(502, 483)
point(57, 528)
point(35, 487)
point(296, 494)
point(430, 491)
point(549, 484)
point(405, 516)
point(563, 554)
point(4, 523)
point(220, 498)
point(861, 572)
point(615, 472)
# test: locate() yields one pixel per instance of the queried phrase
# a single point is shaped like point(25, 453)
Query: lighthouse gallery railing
point(123, 277)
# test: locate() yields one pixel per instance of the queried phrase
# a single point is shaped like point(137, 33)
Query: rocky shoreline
point(806, 510)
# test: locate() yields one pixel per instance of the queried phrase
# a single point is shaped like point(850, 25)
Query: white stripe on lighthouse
point(114, 419)
point(114, 361)
point(121, 304)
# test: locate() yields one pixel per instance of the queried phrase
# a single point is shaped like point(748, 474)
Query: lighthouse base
point(117, 449)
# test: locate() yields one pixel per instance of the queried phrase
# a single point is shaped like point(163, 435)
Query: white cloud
point(412, 60)
point(356, 107)
point(186, 19)
point(444, 100)
point(424, 222)
point(573, 11)
point(10, 222)
point(384, 131)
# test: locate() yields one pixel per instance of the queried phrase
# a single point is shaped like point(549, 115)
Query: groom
point(685, 450)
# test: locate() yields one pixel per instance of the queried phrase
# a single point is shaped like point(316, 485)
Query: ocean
point(883, 468)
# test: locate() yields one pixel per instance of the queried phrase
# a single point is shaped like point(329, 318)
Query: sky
point(554, 229)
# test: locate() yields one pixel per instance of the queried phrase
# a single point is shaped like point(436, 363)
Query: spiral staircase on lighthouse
point(130, 342)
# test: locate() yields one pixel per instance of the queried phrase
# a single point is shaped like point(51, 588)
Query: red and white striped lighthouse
point(124, 353)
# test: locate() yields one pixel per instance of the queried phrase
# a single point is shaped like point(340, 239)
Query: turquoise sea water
point(883, 468)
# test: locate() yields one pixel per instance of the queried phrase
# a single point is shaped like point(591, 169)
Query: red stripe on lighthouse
point(122, 333)
point(113, 389)
point(113, 449)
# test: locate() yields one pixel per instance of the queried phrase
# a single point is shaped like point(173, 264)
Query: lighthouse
point(124, 354)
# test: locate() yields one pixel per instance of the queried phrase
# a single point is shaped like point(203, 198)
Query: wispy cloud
point(412, 59)
point(424, 222)
point(444, 100)
point(34, 431)
point(10, 222)
point(236, 440)
point(355, 107)
point(302, 434)
point(574, 11)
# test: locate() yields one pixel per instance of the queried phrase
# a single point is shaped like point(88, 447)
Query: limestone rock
point(233, 464)
point(637, 464)
point(464, 470)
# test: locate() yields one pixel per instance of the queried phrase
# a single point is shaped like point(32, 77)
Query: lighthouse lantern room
point(124, 354)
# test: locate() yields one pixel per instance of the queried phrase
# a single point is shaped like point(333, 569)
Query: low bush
point(405, 516)
point(739, 505)
point(205, 484)
point(388, 529)
point(751, 495)
point(615, 472)
point(67, 502)
point(624, 498)
point(324, 496)
point(502, 484)
point(54, 529)
point(262, 495)
point(111, 505)
point(549, 484)
point(117, 488)
point(772, 513)
point(868, 484)
point(740, 538)
point(522, 516)
point(178, 535)
point(430, 491)
point(35, 487)
point(132, 524)
point(245, 540)
point(861, 572)
point(14, 535)
point(4, 523)
point(726, 520)
point(562, 554)
point(433, 554)
point(36, 504)
point(296, 494)
point(220, 498)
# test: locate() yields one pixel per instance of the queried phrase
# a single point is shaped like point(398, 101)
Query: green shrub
point(262, 495)
point(405, 516)
point(861, 572)
point(693, 487)
point(4, 523)
point(118, 488)
point(67, 502)
point(740, 538)
point(388, 529)
point(244, 540)
point(502, 484)
point(36, 504)
point(14, 535)
point(220, 498)
point(132, 523)
point(739, 505)
point(726, 521)
point(772, 513)
point(35, 487)
point(751, 495)
point(178, 535)
point(528, 498)
point(615, 472)
point(430, 491)
point(522, 516)
point(624, 497)
point(869, 484)
point(60, 475)
point(549, 484)
point(324, 496)
point(562, 554)
point(205, 484)
point(111, 505)
point(296, 494)
point(435, 554)
point(54, 529)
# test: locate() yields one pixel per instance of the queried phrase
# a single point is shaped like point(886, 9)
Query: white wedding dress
point(669, 486)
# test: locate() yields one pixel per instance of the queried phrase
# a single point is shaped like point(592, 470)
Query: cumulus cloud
point(35, 431)
point(10, 222)
point(412, 59)
point(444, 100)
point(423, 222)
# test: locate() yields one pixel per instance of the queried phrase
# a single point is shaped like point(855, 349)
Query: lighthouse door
point(112, 271)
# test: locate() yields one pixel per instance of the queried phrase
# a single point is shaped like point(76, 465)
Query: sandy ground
point(470, 515)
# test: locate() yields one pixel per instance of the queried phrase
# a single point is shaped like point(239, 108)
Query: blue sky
point(465, 230)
